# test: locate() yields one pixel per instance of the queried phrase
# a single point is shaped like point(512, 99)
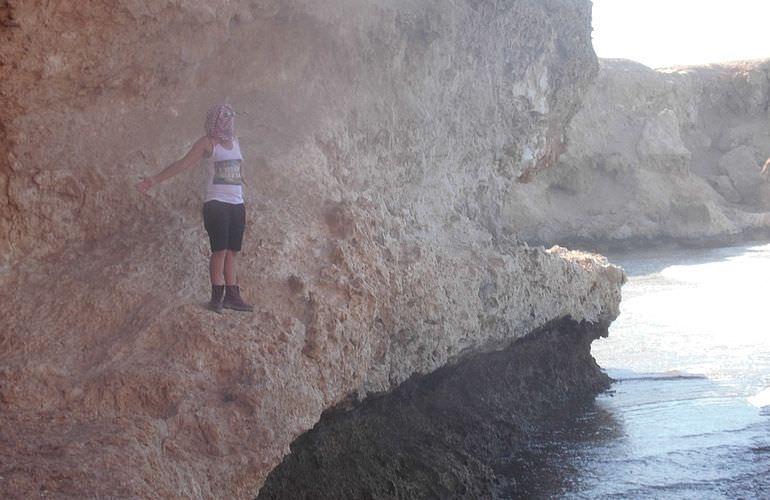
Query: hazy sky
point(672, 32)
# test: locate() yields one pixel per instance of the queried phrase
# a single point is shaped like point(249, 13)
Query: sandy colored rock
point(658, 155)
point(384, 142)
point(740, 166)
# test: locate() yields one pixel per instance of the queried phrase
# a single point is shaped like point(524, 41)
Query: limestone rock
point(383, 144)
point(658, 155)
point(724, 186)
point(661, 142)
point(742, 167)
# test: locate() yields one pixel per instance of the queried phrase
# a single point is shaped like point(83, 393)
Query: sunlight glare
point(661, 33)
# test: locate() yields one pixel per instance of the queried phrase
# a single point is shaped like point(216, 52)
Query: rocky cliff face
point(384, 144)
point(661, 155)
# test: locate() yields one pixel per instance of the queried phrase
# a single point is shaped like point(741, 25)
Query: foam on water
point(761, 400)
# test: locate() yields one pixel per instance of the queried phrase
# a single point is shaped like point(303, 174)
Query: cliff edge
point(668, 155)
point(383, 143)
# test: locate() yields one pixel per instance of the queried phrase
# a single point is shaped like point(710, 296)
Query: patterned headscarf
point(220, 123)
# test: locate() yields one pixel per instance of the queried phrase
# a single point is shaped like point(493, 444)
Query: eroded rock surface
point(385, 142)
point(673, 154)
point(459, 432)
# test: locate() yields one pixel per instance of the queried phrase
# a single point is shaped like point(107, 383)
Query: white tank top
point(223, 171)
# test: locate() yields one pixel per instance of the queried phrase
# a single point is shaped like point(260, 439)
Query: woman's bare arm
point(765, 167)
point(199, 150)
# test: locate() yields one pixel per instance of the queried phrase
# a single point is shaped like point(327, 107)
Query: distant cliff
point(384, 142)
point(668, 155)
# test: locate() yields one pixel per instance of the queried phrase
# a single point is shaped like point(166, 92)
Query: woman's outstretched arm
point(193, 157)
point(766, 168)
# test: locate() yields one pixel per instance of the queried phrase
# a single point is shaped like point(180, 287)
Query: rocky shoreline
point(606, 247)
point(398, 154)
point(668, 155)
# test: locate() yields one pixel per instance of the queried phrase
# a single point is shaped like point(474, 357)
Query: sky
point(681, 32)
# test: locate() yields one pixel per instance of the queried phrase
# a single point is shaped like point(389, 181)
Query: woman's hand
point(146, 184)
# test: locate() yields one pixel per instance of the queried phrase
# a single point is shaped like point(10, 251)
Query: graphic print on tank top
point(227, 172)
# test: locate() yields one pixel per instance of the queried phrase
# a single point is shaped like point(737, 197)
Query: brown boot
point(217, 295)
point(234, 301)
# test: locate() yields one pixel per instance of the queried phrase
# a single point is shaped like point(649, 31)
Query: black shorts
point(225, 223)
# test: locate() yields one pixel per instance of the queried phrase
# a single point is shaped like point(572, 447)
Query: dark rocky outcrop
point(458, 432)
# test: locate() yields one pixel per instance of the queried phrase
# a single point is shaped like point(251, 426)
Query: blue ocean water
point(689, 413)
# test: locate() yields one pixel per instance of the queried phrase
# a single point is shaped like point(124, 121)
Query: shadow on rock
point(450, 434)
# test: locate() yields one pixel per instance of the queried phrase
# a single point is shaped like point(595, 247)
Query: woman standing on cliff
point(224, 214)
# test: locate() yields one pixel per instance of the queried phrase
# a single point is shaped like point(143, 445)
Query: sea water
point(688, 415)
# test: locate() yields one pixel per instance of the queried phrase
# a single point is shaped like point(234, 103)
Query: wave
point(761, 399)
point(627, 375)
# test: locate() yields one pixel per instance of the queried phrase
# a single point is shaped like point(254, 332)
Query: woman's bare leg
point(231, 275)
point(217, 267)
